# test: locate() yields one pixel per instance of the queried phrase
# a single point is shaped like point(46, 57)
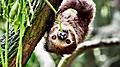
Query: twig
point(58, 17)
point(88, 45)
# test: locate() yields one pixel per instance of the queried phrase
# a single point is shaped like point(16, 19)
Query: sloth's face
point(61, 42)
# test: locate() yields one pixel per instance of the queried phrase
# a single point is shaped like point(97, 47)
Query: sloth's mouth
point(65, 49)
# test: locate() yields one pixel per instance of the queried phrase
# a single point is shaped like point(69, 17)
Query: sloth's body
point(75, 24)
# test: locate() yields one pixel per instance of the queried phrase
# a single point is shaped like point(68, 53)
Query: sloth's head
point(61, 42)
point(74, 24)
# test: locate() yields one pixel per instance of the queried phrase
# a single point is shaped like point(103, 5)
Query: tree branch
point(34, 33)
point(97, 43)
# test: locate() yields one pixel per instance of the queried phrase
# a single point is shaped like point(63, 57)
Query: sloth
point(75, 15)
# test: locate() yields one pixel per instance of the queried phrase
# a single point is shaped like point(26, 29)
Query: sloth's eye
point(68, 41)
point(53, 37)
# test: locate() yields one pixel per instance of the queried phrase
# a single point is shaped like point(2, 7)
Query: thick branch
point(88, 45)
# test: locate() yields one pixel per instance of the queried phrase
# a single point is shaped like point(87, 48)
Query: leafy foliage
point(17, 13)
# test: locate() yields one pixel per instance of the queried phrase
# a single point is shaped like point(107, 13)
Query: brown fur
point(77, 25)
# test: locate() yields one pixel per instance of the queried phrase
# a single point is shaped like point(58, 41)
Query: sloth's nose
point(62, 35)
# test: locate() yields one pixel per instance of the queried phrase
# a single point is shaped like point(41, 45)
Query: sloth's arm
point(79, 5)
point(85, 8)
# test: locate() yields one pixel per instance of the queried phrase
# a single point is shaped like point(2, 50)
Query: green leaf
point(14, 9)
point(15, 28)
point(1, 54)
